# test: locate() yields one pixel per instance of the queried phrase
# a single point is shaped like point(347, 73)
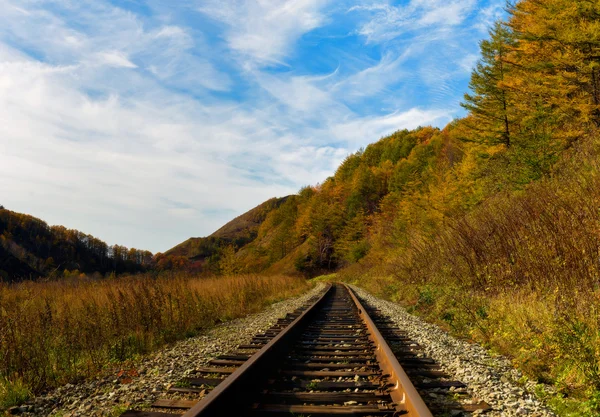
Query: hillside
point(331, 225)
point(210, 254)
point(238, 232)
point(30, 248)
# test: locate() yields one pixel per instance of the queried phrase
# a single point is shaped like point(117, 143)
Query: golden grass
point(57, 332)
point(519, 273)
point(551, 335)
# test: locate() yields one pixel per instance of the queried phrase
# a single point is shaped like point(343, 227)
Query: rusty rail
point(327, 359)
point(403, 392)
point(227, 393)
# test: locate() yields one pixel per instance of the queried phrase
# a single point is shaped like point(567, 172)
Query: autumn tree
point(365, 191)
point(282, 224)
point(352, 245)
point(228, 264)
point(559, 55)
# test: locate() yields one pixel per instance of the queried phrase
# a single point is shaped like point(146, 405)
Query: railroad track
point(334, 357)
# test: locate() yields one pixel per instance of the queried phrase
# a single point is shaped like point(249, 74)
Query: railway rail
point(334, 357)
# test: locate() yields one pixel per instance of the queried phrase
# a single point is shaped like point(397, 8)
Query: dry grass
point(57, 332)
point(520, 273)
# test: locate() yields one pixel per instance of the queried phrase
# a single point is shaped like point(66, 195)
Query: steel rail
point(241, 380)
point(403, 392)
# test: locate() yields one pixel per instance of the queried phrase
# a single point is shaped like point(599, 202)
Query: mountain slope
point(327, 226)
point(237, 233)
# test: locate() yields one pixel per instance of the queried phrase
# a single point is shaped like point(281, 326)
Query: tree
point(558, 76)
point(352, 245)
point(228, 264)
point(491, 102)
point(364, 191)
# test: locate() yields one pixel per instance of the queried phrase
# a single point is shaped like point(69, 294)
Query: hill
point(207, 253)
point(330, 225)
point(30, 248)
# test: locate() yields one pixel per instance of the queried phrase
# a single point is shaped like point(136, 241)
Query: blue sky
point(147, 122)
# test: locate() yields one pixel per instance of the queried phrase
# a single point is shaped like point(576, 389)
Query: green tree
point(490, 103)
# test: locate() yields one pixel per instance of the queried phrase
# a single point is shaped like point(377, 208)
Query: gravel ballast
point(490, 378)
point(109, 396)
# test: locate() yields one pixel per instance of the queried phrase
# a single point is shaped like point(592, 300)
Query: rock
point(488, 378)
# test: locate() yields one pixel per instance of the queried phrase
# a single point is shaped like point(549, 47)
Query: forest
point(30, 249)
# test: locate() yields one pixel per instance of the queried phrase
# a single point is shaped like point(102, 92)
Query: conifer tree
point(491, 102)
point(559, 63)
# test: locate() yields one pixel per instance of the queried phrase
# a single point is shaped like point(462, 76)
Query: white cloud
point(115, 59)
point(299, 93)
point(63, 155)
point(467, 62)
point(388, 22)
point(108, 36)
point(490, 14)
point(356, 131)
point(377, 78)
point(265, 31)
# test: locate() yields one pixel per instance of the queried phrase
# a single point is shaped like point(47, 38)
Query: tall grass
point(57, 332)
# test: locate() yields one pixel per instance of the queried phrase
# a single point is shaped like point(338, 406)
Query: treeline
point(32, 248)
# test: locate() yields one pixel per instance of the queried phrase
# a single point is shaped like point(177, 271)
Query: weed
point(426, 297)
point(592, 405)
point(13, 393)
point(117, 410)
point(312, 386)
point(52, 333)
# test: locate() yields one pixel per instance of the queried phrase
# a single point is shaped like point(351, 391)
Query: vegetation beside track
point(52, 333)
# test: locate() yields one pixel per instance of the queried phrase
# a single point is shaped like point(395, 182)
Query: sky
point(144, 123)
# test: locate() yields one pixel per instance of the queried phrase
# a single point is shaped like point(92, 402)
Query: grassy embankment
point(520, 274)
point(58, 332)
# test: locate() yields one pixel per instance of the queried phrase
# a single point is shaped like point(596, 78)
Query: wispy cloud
point(144, 124)
point(388, 21)
point(115, 59)
point(265, 31)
